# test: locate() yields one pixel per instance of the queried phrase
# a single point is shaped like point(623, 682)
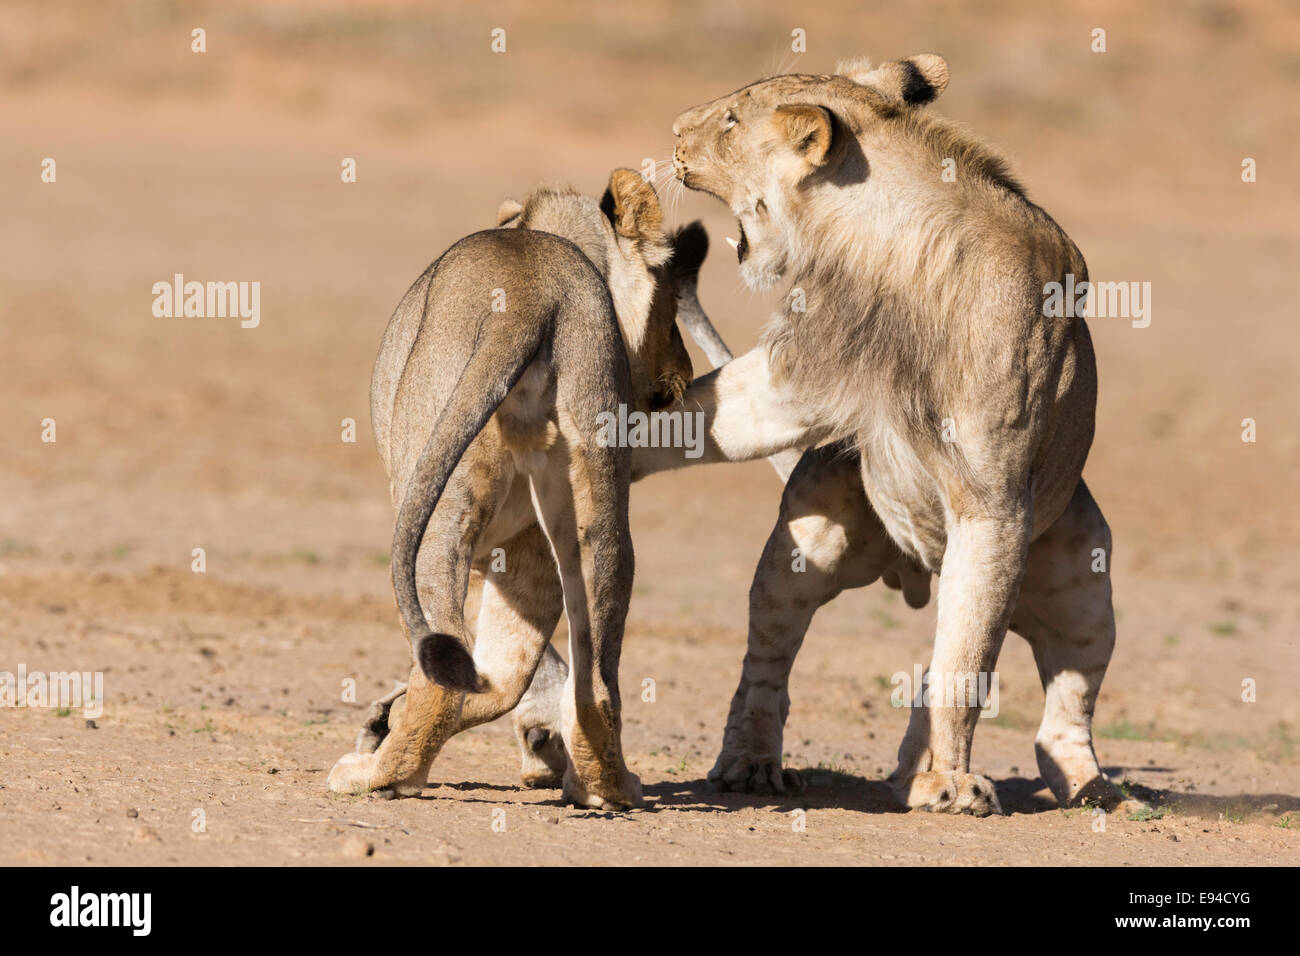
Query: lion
point(486, 397)
point(914, 337)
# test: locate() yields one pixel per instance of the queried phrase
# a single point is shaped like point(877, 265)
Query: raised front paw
point(745, 772)
point(949, 792)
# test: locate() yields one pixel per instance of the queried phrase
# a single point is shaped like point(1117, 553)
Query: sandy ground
point(223, 690)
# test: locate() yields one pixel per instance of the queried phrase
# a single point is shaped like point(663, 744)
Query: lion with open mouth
point(914, 338)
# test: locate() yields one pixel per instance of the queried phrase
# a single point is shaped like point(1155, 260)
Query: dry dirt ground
point(223, 695)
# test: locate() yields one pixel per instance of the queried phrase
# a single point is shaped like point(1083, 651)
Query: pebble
point(355, 846)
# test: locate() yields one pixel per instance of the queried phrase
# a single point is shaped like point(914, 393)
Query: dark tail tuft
point(446, 662)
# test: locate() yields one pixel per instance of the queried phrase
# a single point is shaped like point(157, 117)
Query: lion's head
point(768, 145)
point(623, 235)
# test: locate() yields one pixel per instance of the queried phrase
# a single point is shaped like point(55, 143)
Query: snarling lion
point(914, 338)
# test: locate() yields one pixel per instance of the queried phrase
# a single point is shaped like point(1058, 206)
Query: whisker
point(786, 68)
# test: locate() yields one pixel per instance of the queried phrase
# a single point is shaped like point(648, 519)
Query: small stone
point(132, 813)
point(91, 725)
point(355, 846)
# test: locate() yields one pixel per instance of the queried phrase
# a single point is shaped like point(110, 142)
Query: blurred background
point(174, 434)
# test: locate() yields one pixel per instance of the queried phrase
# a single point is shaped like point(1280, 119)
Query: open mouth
point(742, 245)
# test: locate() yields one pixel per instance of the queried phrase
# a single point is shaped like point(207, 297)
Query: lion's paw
point(352, 774)
point(356, 774)
point(1100, 792)
point(753, 773)
point(542, 758)
point(624, 797)
point(950, 792)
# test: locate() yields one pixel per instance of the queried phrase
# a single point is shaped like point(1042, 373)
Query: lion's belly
point(906, 497)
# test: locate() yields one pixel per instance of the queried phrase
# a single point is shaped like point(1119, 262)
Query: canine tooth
point(733, 243)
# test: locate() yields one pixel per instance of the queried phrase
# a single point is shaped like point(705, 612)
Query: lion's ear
point(510, 209)
point(632, 207)
point(690, 246)
point(915, 80)
point(925, 76)
point(807, 130)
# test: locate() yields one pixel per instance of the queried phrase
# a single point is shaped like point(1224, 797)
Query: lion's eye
point(729, 120)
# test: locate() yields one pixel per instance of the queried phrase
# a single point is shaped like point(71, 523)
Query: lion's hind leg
point(429, 713)
point(581, 498)
point(1065, 613)
point(522, 603)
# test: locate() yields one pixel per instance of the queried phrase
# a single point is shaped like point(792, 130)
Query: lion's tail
point(502, 351)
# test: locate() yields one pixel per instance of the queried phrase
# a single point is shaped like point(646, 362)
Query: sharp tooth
point(732, 242)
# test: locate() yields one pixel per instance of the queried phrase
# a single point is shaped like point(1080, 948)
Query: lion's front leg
point(742, 416)
point(983, 564)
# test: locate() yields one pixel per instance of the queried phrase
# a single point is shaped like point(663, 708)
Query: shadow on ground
point(825, 789)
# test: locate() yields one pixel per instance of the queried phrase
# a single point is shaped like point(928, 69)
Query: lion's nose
point(685, 121)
